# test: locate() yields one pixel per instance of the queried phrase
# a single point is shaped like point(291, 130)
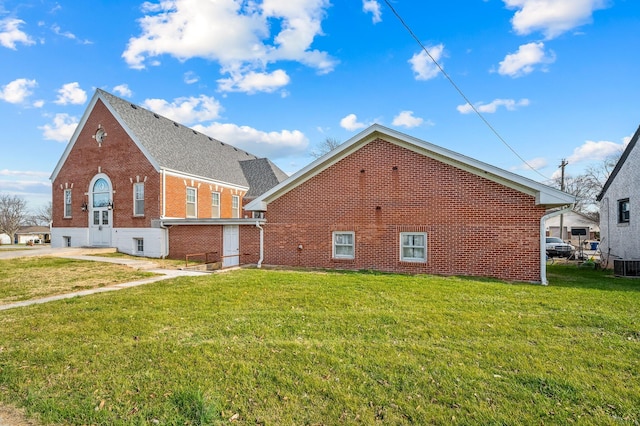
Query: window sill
point(343, 259)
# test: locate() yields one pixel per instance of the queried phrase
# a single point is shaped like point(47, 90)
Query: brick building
point(134, 180)
point(389, 202)
point(137, 181)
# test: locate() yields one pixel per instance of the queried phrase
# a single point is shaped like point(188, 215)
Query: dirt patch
point(10, 416)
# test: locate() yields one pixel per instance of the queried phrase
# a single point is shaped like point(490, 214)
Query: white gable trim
point(544, 195)
point(83, 121)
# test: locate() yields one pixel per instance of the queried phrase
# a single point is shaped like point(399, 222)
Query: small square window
point(139, 245)
point(343, 245)
point(623, 211)
point(413, 246)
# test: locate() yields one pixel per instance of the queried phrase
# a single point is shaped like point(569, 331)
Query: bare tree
point(13, 212)
point(41, 217)
point(329, 144)
point(587, 186)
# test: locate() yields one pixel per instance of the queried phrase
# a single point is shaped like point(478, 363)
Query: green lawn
point(292, 348)
point(25, 278)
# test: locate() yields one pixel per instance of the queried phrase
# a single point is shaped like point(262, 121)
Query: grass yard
point(27, 278)
point(292, 348)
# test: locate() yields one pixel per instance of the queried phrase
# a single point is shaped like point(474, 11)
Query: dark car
point(557, 248)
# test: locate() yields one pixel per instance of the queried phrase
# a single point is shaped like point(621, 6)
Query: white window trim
point(353, 245)
point(195, 202)
point(215, 208)
point(135, 185)
point(413, 259)
point(70, 204)
point(235, 211)
point(136, 245)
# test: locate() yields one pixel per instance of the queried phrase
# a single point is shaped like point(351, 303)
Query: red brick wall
point(474, 226)
point(192, 239)
point(120, 159)
point(177, 197)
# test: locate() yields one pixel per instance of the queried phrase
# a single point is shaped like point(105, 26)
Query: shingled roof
point(172, 146)
point(177, 147)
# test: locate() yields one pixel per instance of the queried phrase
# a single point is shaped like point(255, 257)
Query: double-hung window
point(343, 245)
point(623, 210)
point(413, 246)
point(235, 206)
point(67, 203)
point(215, 205)
point(138, 245)
point(191, 202)
point(138, 199)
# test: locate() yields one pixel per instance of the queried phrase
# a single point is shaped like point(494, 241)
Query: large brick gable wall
point(474, 226)
point(120, 159)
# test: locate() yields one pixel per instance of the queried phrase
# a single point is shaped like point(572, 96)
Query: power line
point(453, 83)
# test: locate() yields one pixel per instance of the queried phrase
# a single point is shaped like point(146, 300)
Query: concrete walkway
point(82, 254)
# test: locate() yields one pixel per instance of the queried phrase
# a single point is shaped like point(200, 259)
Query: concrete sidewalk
point(81, 254)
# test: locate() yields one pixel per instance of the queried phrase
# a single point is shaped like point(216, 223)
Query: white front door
point(100, 213)
point(230, 246)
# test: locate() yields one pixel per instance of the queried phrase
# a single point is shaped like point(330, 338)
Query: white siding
point(121, 238)
point(620, 240)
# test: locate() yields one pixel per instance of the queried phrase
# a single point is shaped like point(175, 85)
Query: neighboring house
point(577, 228)
point(386, 201)
point(140, 182)
point(34, 234)
point(620, 207)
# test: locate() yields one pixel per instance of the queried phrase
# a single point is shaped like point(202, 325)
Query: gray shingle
point(180, 148)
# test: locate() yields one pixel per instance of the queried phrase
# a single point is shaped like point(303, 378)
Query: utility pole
point(563, 164)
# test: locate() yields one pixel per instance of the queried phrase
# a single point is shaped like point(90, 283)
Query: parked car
point(557, 248)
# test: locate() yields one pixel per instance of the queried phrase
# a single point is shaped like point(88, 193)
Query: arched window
point(101, 193)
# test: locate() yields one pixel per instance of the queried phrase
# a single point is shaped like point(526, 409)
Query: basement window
point(138, 245)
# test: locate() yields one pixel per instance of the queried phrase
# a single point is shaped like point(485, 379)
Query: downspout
point(261, 259)
point(543, 242)
point(166, 239)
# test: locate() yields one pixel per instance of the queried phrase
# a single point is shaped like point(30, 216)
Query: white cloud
point(492, 107)
point(186, 110)
point(10, 33)
point(17, 91)
point(25, 173)
point(61, 129)
point(423, 66)
point(525, 59)
point(71, 93)
point(253, 82)
point(350, 122)
point(190, 77)
point(123, 90)
point(552, 17)
point(535, 164)
point(407, 119)
point(372, 7)
point(595, 151)
point(285, 143)
point(236, 34)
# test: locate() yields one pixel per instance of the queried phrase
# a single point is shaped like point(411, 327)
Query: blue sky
point(555, 78)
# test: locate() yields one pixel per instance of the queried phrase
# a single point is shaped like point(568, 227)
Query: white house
point(576, 227)
point(620, 208)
